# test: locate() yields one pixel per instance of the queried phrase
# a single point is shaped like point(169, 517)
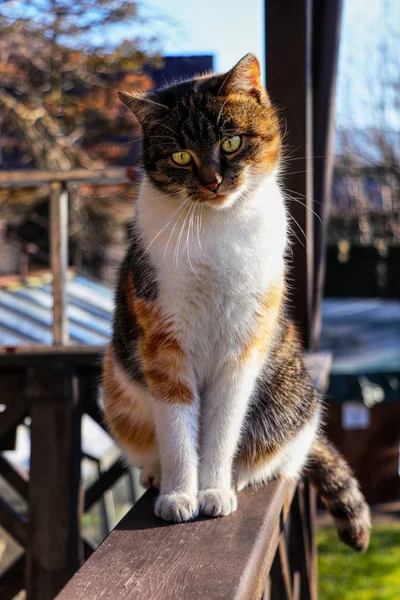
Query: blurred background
point(61, 64)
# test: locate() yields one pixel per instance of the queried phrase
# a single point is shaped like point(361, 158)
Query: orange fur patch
point(270, 306)
point(119, 406)
point(164, 362)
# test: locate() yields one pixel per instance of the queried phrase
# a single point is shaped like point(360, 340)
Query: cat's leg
point(171, 383)
point(223, 412)
point(177, 434)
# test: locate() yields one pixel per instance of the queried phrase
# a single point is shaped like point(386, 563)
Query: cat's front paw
point(177, 507)
point(217, 502)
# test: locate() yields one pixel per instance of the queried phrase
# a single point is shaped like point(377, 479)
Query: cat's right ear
point(142, 106)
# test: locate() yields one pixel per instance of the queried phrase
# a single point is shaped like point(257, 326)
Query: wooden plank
point(15, 476)
point(300, 547)
point(32, 177)
point(281, 585)
point(146, 558)
point(13, 522)
point(59, 261)
point(103, 483)
point(327, 19)
point(14, 399)
point(12, 580)
point(289, 83)
point(310, 500)
point(30, 351)
point(54, 544)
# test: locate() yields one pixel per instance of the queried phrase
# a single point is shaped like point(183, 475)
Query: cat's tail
point(334, 480)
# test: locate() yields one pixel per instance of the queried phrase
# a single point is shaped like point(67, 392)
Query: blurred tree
point(59, 70)
point(61, 63)
point(367, 178)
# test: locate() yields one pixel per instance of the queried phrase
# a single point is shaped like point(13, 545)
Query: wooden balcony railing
point(268, 542)
point(265, 550)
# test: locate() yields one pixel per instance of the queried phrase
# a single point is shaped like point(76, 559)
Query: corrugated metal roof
point(26, 311)
point(362, 334)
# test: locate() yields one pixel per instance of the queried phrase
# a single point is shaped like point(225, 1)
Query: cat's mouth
point(220, 198)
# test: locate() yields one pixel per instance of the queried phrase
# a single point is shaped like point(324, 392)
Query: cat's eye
point(232, 144)
point(181, 158)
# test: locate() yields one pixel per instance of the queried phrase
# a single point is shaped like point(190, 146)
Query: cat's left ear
point(245, 77)
point(142, 106)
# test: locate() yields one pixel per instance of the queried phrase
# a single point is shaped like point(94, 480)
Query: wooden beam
point(327, 20)
point(288, 37)
point(54, 544)
point(35, 177)
point(59, 261)
point(103, 483)
point(146, 558)
point(14, 523)
point(15, 476)
point(14, 399)
point(12, 579)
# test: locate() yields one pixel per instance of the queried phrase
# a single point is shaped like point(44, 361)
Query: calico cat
point(204, 385)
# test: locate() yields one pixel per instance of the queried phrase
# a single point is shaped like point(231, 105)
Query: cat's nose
point(213, 185)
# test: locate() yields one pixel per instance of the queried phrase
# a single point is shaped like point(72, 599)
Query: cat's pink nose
point(213, 185)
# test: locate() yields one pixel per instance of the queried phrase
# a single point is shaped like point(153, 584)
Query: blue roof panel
point(26, 312)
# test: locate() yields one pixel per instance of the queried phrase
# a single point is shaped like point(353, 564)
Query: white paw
point(217, 502)
point(177, 507)
point(150, 477)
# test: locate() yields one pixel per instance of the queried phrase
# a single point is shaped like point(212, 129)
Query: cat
point(204, 385)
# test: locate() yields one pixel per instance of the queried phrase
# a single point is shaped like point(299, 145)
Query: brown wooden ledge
point(146, 558)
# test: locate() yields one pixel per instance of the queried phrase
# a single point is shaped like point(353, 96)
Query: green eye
point(181, 158)
point(231, 145)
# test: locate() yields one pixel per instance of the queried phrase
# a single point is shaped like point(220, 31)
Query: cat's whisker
point(220, 112)
point(292, 232)
point(293, 199)
point(199, 224)
point(165, 226)
point(301, 229)
point(190, 228)
point(178, 243)
point(174, 227)
point(299, 172)
point(167, 127)
point(149, 137)
point(301, 195)
point(168, 195)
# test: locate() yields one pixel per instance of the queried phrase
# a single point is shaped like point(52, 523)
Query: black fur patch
point(137, 268)
point(283, 402)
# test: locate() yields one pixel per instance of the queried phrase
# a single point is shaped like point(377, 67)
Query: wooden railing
point(264, 550)
point(272, 532)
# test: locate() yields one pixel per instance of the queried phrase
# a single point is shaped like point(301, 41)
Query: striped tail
point(340, 491)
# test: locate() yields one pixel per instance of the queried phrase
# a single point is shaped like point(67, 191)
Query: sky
point(229, 29)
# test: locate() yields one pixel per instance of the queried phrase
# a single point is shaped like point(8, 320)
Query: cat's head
point(214, 137)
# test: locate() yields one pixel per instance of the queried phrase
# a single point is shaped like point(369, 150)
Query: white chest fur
point(214, 266)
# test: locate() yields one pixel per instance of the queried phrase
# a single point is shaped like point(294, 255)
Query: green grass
point(348, 575)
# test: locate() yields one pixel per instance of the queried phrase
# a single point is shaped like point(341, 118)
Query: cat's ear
point(142, 106)
point(245, 77)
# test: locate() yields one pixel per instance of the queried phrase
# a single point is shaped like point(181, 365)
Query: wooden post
point(288, 33)
point(327, 25)
point(54, 548)
point(59, 260)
